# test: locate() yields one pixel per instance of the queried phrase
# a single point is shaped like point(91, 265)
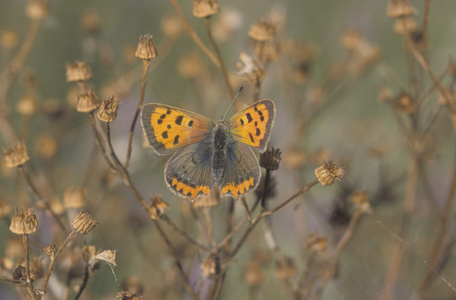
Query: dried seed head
point(108, 110)
point(405, 25)
point(50, 250)
point(205, 8)
point(399, 8)
point(15, 155)
point(5, 209)
point(316, 244)
point(157, 208)
point(449, 98)
point(75, 198)
point(286, 269)
point(45, 145)
point(79, 71)
point(83, 222)
point(91, 21)
point(405, 104)
point(270, 159)
point(127, 296)
point(171, 25)
point(263, 30)
point(359, 199)
point(267, 52)
point(87, 102)
point(37, 9)
point(191, 66)
point(253, 275)
point(211, 201)
point(36, 268)
point(20, 273)
point(24, 221)
point(210, 266)
point(146, 48)
point(27, 105)
point(9, 39)
point(54, 203)
point(108, 256)
point(250, 69)
point(133, 285)
point(329, 173)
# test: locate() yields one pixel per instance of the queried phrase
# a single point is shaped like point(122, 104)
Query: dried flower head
point(385, 94)
point(45, 145)
point(24, 221)
point(108, 110)
point(27, 105)
point(9, 39)
point(37, 9)
point(227, 22)
point(108, 256)
point(83, 222)
point(75, 197)
point(405, 104)
point(359, 199)
point(15, 155)
point(50, 250)
point(36, 268)
point(146, 48)
point(329, 173)
point(250, 69)
point(286, 269)
point(171, 25)
point(5, 209)
point(79, 71)
point(270, 159)
point(263, 30)
point(399, 8)
point(157, 208)
point(20, 273)
point(449, 98)
point(405, 25)
point(267, 52)
point(253, 275)
point(210, 266)
point(87, 102)
point(316, 243)
point(133, 285)
point(122, 295)
point(205, 8)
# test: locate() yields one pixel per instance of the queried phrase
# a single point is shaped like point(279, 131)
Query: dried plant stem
point(85, 279)
point(9, 75)
point(186, 282)
point(184, 234)
point(246, 207)
point(30, 287)
point(194, 36)
point(207, 22)
point(398, 251)
point(56, 256)
point(424, 29)
point(98, 140)
point(442, 235)
point(38, 196)
point(146, 64)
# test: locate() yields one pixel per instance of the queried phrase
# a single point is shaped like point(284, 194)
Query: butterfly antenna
point(234, 99)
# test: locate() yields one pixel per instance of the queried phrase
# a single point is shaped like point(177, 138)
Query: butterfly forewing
point(252, 125)
point(168, 128)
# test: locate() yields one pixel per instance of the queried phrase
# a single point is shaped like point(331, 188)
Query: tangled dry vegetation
point(87, 209)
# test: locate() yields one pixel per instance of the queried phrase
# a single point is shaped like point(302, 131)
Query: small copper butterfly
point(207, 155)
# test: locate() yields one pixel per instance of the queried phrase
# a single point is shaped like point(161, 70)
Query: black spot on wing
point(159, 121)
point(176, 140)
point(251, 137)
point(258, 132)
point(249, 117)
point(165, 134)
point(169, 126)
point(179, 120)
point(242, 122)
point(190, 123)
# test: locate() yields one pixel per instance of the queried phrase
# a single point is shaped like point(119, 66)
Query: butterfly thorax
point(220, 138)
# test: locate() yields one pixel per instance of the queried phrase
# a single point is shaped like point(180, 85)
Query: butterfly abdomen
point(220, 139)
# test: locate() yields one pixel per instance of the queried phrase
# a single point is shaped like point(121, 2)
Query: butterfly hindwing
point(188, 172)
point(168, 128)
point(252, 125)
point(242, 172)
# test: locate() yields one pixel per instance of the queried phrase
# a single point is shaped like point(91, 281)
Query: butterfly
point(207, 155)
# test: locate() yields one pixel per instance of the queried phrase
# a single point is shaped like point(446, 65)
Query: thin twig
point(146, 64)
point(183, 233)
